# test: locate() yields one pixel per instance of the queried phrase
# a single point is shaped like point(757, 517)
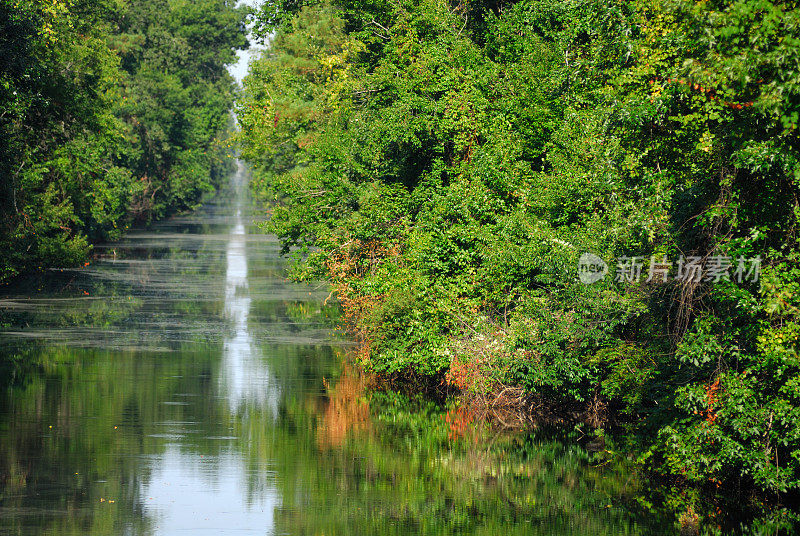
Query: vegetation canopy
point(110, 112)
point(447, 164)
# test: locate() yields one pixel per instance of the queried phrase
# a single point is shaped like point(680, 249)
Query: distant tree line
point(111, 111)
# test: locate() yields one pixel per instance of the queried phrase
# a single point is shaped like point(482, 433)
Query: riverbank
point(575, 205)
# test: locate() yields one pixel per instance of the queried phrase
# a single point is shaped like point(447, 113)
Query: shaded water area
point(180, 385)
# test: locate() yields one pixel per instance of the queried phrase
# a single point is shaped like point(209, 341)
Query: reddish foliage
point(463, 375)
point(711, 400)
point(348, 263)
point(459, 420)
point(346, 409)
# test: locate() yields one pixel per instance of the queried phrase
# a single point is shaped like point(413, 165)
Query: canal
point(179, 384)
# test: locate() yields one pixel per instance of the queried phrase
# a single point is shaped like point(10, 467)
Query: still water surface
point(177, 385)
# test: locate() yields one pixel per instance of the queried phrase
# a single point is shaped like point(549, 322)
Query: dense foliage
point(109, 112)
point(447, 164)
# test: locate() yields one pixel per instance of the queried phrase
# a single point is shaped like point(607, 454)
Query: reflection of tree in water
point(87, 364)
point(70, 451)
point(398, 474)
point(247, 379)
point(234, 402)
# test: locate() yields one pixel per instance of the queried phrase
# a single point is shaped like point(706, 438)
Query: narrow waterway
point(177, 385)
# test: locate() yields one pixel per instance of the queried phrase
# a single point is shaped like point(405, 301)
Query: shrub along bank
point(461, 171)
point(110, 111)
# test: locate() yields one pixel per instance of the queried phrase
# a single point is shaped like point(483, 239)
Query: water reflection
point(191, 494)
point(176, 386)
point(144, 394)
point(200, 494)
point(247, 378)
